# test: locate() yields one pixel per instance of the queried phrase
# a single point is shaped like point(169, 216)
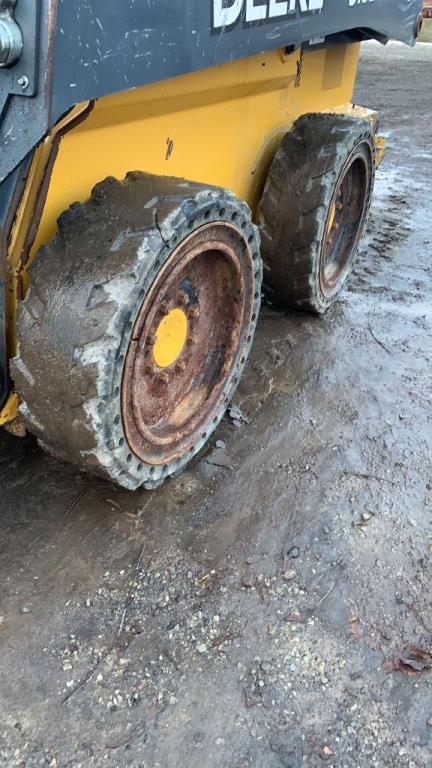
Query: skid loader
point(162, 162)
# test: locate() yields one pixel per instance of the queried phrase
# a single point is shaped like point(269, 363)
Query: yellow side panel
point(217, 126)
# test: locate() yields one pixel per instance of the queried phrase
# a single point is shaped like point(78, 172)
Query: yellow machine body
point(219, 126)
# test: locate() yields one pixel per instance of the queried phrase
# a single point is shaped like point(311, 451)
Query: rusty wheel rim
point(167, 409)
point(345, 220)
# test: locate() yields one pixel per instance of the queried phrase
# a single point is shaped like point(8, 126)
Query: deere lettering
point(226, 13)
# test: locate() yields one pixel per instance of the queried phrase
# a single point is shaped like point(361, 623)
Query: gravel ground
point(270, 608)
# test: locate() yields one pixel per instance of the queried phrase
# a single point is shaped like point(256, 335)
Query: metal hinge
point(18, 47)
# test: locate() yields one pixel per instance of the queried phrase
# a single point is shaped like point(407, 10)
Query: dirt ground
point(254, 612)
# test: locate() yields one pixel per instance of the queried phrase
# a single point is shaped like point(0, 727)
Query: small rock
point(366, 516)
point(220, 444)
point(429, 722)
point(88, 602)
point(326, 753)
point(294, 552)
point(201, 648)
point(133, 699)
point(236, 414)
point(289, 575)
point(67, 666)
point(26, 608)
point(248, 579)
point(321, 668)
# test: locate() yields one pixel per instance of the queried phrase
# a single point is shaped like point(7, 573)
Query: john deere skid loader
point(155, 156)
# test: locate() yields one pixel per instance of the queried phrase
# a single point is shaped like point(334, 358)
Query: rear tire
point(137, 326)
point(314, 209)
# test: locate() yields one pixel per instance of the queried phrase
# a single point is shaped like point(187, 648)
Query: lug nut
point(180, 366)
point(183, 298)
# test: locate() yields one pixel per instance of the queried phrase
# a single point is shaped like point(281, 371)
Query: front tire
point(137, 326)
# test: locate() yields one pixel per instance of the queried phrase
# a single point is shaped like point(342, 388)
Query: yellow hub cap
point(170, 338)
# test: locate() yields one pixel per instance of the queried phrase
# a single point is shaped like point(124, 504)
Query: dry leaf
point(416, 660)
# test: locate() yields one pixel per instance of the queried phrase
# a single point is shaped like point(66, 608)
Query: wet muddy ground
point(254, 612)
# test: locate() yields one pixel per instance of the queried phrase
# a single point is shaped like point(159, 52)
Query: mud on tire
point(324, 162)
point(81, 336)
